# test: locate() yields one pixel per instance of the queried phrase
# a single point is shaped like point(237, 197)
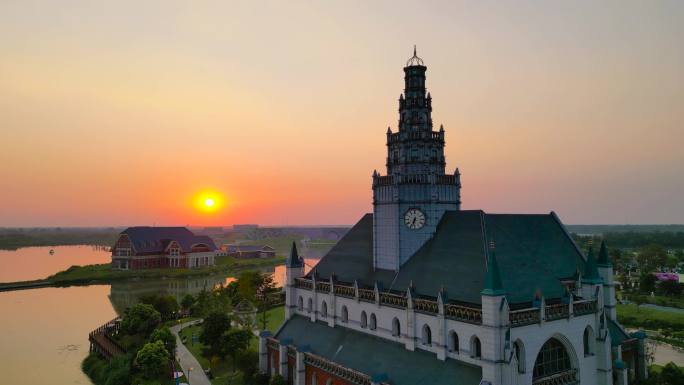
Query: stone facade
point(570, 338)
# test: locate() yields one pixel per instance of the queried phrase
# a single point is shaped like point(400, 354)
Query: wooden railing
point(567, 377)
point(101, 340)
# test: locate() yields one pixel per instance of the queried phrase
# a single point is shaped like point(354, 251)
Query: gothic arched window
point(453, 341)
point(396, 327)
point(300, 303)
point(427, 335)
point(373, 322)
point(553, 360)
point(324, 309)
point(345, 314)
point(309, 305)
point(519, 352)
point(364, 319)
point(475, 348)
point(588, 339)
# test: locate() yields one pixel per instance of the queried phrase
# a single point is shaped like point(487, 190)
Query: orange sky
point(119, 113)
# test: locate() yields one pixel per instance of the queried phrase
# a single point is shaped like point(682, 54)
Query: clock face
point(414, 219)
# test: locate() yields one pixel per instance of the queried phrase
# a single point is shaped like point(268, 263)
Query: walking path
point(187, 360)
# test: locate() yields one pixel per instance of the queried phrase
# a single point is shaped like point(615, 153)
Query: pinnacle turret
point(604, 259)
point(493, 285)
point(591, 274)
point(294, 260)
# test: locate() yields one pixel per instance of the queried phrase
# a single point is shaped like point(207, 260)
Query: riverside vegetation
point(223, 343)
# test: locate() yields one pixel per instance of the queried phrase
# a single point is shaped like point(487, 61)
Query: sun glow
point(208, 201)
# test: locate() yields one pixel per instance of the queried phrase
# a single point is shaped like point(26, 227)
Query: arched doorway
point(554, 365)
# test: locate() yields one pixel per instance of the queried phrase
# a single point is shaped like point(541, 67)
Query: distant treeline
point(635, 240)
point(12, 239)
point(603, 229)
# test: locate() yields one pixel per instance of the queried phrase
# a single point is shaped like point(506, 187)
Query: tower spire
point(294, 260)
point(493, 286)
point(603, 259)
point(591, 274)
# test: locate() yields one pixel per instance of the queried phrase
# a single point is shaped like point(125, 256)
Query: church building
point(422, 292)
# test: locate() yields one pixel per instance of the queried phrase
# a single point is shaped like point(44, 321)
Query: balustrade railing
point(394, 300)
point(345, 291)
point(567, 377)
point(323, 287)
point(524, 317)
point(463, 313)
point(337, 370)
point(425, 306)
point(584, 307)
point(304, 283)
point(556, 311)
point(367, 295)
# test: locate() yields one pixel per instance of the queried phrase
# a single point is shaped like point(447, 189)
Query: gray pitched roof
point(147, 239)
point(533, 252)
point(354, 350)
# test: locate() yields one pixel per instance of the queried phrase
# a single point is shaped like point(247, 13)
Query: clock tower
point(409, 201)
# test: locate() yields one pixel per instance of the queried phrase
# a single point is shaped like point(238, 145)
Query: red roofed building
point(157, 247)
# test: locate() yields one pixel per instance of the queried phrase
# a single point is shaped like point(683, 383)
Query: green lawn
point(646, 318)
point(102, 273)
point(223, 369)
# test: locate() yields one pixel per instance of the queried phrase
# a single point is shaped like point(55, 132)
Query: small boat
point(52, 252)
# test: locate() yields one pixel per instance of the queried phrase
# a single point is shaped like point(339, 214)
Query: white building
point(422, 292)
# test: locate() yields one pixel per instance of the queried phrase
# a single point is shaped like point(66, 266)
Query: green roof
point(603, 259)
point(533, 251)
point(355, 350)
point(617, 334)
point(493, 285)
point(591, 274)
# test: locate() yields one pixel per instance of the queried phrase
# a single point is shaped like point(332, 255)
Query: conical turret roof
point(493, 285)
point(294, 260)
point(591, 274)
point(604, 259)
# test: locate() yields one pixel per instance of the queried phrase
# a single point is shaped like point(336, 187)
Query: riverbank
point(103, 274)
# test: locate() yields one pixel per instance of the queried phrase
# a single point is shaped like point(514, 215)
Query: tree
point(673, 288)
point(214, 326)
point(651, 257)
point(647, 282)
point(234, 342)
point(187, 302)
point(166, 305)
point(247, 363)
point(140, 318)
point(277, 380)
point(164, 335)
point(152, 359)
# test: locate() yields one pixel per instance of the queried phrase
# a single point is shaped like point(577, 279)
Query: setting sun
point(208, 201)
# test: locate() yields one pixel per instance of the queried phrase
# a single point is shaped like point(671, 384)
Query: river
point(44, 332)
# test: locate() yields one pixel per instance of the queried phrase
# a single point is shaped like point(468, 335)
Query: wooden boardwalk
point(102, 343)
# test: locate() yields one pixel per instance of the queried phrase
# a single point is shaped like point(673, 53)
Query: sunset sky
point(122, 112)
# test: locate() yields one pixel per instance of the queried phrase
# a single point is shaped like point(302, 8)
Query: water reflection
point(125, 294)
point(44, 333)
point(30, 263)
